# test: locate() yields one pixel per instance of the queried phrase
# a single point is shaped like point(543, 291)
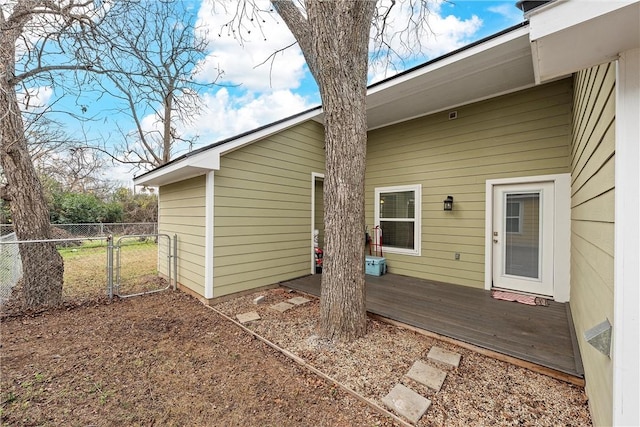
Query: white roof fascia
point(572, 35)
point(200, 163)
point(265, 132)
point(563, 14)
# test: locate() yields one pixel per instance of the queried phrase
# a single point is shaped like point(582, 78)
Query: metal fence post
point(110, 266)
point(175, 262)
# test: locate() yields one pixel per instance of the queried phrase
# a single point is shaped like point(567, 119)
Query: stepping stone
point(298, 300)
point(248, 317)
point(259, 300)
point(427, 375)
point(282, 306)
point(444, 356)
point(406, 402)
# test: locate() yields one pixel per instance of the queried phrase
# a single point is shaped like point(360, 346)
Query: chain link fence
point(131, 271)
point(65, 231)
point(10, 265)
point(143, 263)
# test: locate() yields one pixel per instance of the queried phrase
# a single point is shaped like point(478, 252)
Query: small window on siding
point(397, 212)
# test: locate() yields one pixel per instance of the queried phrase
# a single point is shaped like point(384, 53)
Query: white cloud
point(248, 62)
point(437, 34)
point(226, 115)
point(260, 94)
point(260, 72)
point(35, 99)
point(509, 12)
point(120, 173)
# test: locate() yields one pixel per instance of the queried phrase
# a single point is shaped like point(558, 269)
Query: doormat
point(523, 299)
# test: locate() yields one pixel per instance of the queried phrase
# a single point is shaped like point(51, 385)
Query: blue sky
point(257, 95)
point(264, 96)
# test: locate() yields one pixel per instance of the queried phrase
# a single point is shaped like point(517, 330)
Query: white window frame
point(417, 229)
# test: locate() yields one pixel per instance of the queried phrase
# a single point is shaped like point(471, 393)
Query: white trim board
point(626, 299)
point(561, 233)
point(209, 235)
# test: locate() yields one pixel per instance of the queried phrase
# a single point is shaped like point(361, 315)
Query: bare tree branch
point(155, 50)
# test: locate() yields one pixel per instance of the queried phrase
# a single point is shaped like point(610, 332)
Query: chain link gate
point(141, 264)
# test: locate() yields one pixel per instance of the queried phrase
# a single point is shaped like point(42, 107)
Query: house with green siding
point(534, 132)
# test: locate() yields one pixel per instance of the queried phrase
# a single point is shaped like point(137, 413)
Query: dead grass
point(85, 269)
point(163, 360)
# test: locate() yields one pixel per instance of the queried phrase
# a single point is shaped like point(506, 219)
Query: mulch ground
point(163, 360)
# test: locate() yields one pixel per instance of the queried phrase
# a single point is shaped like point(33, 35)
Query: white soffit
point(568, 36)
point(183, 168)
point(497, 66)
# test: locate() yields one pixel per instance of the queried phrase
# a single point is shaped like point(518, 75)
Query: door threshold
point(531, 294)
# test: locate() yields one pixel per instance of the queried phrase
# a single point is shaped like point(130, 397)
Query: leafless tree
point(65, 44)
point(155, 49)
point(337, 39)
point(39, 40)
point(59, 157)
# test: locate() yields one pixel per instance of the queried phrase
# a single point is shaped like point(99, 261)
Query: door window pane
point(522, 237)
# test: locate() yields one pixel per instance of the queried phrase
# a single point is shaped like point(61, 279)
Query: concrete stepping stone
point(444, 356)
point(298, 300)
point(282, 306)
point(248, 317)
point(406, 402)
point(427, 375)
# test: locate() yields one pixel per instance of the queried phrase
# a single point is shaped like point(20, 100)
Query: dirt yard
point(165, 359)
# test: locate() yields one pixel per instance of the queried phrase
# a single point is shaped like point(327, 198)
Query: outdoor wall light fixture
point(448, 203)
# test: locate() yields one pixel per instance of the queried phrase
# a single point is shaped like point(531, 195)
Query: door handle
point(495, 240)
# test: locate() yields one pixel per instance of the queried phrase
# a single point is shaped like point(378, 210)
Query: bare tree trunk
point(42, 264)
point(342, 300)
point(334, 38)
point(167, 134)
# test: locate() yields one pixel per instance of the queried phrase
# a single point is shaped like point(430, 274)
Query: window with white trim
point(398, 213)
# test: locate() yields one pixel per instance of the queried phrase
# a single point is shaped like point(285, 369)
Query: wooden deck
point(541, 336)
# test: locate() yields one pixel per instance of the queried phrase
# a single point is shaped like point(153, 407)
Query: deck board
point(536, 334)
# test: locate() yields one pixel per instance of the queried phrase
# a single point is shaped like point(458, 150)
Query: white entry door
point(523, 221)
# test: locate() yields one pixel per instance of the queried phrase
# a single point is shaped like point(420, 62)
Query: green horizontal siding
point(262, 205)
point(521, 134)
point(181, 212)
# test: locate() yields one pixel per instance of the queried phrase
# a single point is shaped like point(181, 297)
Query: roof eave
point(464, 76)
point(207, 159)
point(568, 36)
